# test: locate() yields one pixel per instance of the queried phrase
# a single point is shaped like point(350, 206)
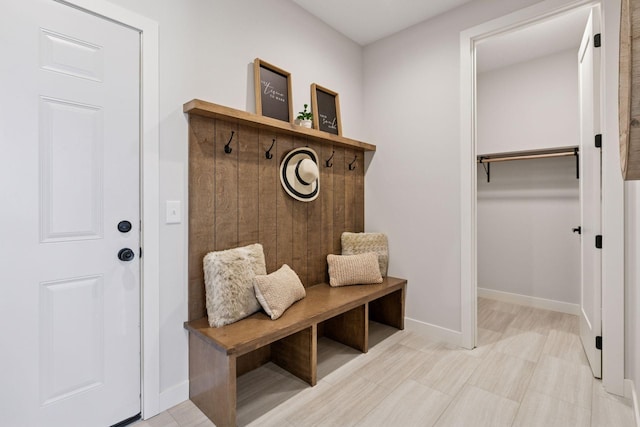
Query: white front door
point(590, 195)
point(69, 175)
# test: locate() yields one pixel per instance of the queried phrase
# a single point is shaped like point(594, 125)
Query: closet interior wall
point(526, 214)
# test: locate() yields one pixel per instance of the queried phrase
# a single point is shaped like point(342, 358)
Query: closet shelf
point(209, 109)
point(487, 159)
point(528, 155)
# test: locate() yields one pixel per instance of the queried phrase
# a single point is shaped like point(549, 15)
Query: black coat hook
point(328, 162)
point(267, 153)
point(351, 166)
point(227, 148)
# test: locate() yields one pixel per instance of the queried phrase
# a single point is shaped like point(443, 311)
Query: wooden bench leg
point(389, 309)
point(350, 328)
point(298, 354)
point(212, 382)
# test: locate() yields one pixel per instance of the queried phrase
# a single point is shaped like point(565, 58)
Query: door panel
point(70, 179)
point(590, 195)
point(70, 56)
point(71, 341)
point(69, 133)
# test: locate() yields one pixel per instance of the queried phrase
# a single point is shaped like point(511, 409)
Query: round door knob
point(124, 226)
point(126, 254)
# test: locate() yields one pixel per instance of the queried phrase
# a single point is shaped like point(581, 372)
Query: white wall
point(632, 280)
point(525, 218)
point(530, 105)
point(412, 106)
point(206, 52)
point(526, 213)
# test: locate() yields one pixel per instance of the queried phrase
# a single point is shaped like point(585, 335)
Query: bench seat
point(218, 355)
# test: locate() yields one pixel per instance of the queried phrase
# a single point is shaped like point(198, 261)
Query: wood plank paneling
point(315, 252)
point(236, 199)
point(350, 161)
point(359, 194)
point(629, 90)
point(300, 245)
point(300, 209)
point(226, 192)
point(269, 186)
point(248, 185)
point(201, 207)
point(326, 180)
point(339, 167)
point(284, 211)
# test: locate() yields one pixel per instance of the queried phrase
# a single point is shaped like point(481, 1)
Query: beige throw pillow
point(360, 243)
point(360, 269)
point(229, 277)
point(279, 290)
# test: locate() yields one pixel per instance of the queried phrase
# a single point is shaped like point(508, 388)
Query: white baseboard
point(545, 304)
point(630, 393)
point(174, 395)
point(432, 331)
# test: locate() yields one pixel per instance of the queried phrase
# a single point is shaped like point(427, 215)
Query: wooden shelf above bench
point(209, 109)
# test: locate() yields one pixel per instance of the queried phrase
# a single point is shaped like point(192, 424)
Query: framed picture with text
point(273, 91)
point(325, 105)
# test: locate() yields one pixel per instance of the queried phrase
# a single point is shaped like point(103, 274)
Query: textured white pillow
point(360, 243)
point(279, 290)
point(229, 277)
point(360, 269)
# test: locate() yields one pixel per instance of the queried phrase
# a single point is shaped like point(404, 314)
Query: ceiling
point(541, 39)
point(365, 21)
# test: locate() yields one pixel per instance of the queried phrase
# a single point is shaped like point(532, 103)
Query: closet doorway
point(538, 181)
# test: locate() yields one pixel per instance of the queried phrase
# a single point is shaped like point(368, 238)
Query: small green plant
point(304, 114)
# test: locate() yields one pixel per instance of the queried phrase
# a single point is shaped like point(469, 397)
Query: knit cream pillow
point(228, 278)
point(360, 243)
point(359, 269)
point(279, 290)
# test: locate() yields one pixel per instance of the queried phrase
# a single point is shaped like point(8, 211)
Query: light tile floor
point(528, 370)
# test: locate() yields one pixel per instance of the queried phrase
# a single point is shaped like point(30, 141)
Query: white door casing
point(590, 195)
point(70, 136)
point(612, 185)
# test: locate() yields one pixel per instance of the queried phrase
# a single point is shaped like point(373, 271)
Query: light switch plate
point(174, 212)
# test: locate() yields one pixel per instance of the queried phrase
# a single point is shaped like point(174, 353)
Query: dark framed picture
point(325, 105)
point(273, 91)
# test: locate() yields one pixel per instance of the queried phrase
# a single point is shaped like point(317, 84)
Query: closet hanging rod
point(486, 161)
point(482, 159)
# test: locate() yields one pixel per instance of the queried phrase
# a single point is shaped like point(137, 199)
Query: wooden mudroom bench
point(234, 166)
point(217, 356)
